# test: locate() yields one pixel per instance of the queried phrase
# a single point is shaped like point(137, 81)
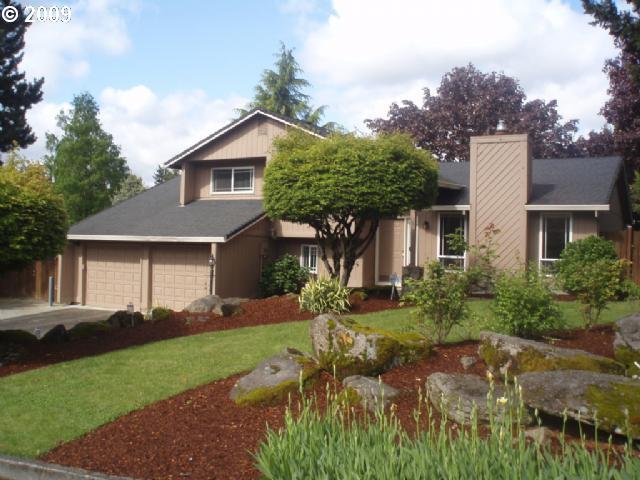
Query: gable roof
point(292, 122)
point(156, 215)
point(555, 181)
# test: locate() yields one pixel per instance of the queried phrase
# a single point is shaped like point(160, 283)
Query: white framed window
point(309, 258)
point(229, 180)
point(555, 234)
point(448, 254)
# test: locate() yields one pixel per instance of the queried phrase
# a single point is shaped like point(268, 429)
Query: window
point(232, 180)
point(448, 255)
point(309, 258)
point(555, 233)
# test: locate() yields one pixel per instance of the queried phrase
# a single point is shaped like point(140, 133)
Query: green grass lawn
point(43, 407)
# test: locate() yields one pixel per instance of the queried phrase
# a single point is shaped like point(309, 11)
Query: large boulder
point(512, 355)
point(458, 395)
point(626, 343)
point(347, 348)
point(274, 378)
point(610, 401)
point(372, 393)
point(203, 304)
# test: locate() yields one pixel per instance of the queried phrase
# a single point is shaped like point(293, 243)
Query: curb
point(13, 468)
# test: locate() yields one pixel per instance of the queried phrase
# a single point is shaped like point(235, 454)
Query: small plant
point(524, 305)
point(481, 269)
point(285, 275)
point(591, 270)
point(324, 295)
point(440, 299)
point(160, 313)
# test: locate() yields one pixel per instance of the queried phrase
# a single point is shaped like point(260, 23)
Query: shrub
point(160, 313)
point(590, 270)
point(285, 275)
point(324, 295)
point(524, 305)
point(440, 299)
point(481, 270)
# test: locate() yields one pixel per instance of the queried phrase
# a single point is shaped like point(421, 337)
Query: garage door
point(113, 276)
point(179, 275)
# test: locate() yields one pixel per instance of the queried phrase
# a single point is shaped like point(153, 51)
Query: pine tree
point(17, 95)
point(163, 174)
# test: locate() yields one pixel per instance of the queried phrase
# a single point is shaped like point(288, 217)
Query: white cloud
point(57, 50)
point(149, 128)
point(369, 51)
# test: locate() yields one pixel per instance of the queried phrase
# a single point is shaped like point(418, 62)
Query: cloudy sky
point(168, 73)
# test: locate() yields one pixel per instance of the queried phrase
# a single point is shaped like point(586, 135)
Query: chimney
point(500, 187)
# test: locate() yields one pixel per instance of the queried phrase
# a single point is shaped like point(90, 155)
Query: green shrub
point(524, 305)
point(160, 313)
point(324, 295)
point(591, 270)
point(333, 445)
point(285, 275)
point(440, 299)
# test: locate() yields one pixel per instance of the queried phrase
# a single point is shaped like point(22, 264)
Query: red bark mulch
point(202, 434)
point(255, 312)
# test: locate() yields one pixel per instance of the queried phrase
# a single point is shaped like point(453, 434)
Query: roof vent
point(501, 127)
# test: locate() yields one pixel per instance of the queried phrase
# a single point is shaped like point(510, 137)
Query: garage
point(179, 274)
point(114, 276)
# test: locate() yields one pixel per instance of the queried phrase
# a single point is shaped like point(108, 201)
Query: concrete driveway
point(29, 315)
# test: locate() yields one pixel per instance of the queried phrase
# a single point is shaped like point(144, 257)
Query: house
point(155, 248)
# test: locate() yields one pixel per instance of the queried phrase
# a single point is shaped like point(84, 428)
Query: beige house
point(155, 248)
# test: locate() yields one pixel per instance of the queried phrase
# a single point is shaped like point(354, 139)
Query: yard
point(41, 408)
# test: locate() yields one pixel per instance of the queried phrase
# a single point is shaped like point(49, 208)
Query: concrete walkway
point(29, 315)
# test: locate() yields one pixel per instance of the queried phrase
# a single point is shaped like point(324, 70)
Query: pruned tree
point(343, 186)
point(85, 163)
point(469, 102)
point(17, 95)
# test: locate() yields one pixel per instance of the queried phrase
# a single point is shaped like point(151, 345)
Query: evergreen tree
point(130, 187)
point(85, 163)
point(163, 174)
point(17, 95)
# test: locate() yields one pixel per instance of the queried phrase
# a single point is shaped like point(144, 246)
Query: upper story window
point(555, 234)
point(448, 254)
point(232, 180)
point(309, 258)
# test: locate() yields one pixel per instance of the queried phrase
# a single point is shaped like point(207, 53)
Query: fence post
point(51, 290)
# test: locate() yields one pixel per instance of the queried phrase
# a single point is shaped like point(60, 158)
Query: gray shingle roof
point(556, 181)
point(157, 212)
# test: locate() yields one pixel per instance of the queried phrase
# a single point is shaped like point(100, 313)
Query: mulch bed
point(202, 434)
point(255, 312)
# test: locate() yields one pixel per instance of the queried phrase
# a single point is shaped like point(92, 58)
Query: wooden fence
point(31, 281)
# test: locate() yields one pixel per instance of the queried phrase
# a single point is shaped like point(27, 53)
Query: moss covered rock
point(343, 346)
point(504, 354)
point(626, 343)
point(370, 392)
point(611, 402)
point(273, 379)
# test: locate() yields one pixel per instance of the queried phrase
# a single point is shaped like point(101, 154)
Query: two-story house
point(156, 248)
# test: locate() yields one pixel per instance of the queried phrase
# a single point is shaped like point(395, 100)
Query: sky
point(168, 73)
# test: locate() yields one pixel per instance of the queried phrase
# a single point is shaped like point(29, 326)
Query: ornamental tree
point(342, 186)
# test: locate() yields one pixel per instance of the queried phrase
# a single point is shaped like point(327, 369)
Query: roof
point(306, 126)
point(555, 181)
point(156, 215)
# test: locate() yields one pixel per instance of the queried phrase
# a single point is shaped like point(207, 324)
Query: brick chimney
point(500, 187)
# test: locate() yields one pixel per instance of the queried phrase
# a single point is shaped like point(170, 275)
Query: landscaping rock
point(468, 362)
point(611, 401)
point(459, 394)
point(57, 334)
point(344, 346)
point(123, 319)
point(273, 379)
point(203, 304)
point(626, 343)
point(504, 354)
point(539, 435)
point(88, 329)
point(229, 306)
point(371, 392)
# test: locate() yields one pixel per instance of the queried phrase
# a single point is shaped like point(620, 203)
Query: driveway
point(29, 315)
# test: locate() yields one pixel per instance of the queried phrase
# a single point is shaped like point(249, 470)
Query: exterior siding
point(427, 237)
point(499, 190)
point(292, 230)
point(202, 178)
point(390, 247)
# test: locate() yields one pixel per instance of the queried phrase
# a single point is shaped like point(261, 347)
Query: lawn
point(41, 408)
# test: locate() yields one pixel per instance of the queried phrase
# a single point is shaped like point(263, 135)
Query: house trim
point(561, 208)
point(144, 238)
point(309, 245)
point(441, 208)
point(205, 141)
